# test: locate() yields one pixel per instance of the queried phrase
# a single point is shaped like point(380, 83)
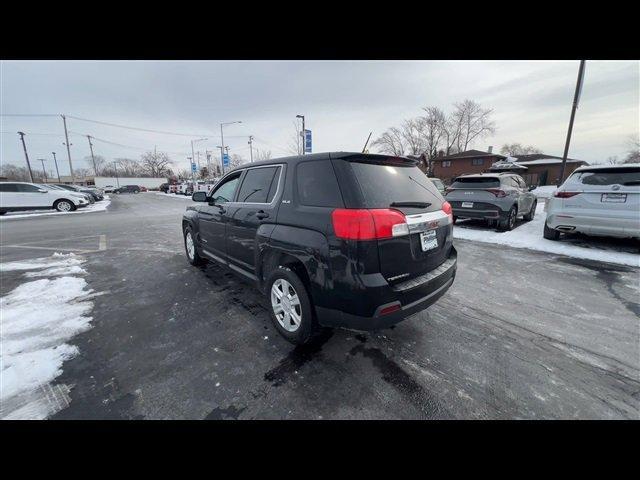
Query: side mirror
point(199, 197)
point(42, 190)
point(532, 187)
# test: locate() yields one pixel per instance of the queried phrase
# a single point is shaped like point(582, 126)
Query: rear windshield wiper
point(411, 204)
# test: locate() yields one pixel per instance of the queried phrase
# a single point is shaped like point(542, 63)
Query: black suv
point(332, 239)
point(127, 189)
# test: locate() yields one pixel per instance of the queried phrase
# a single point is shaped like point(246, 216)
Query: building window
point(446, 163)
point(477, 161)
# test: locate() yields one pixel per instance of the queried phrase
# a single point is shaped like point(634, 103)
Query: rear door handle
point(262, 214)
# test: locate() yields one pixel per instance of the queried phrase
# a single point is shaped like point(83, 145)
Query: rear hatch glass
point(404, 187)
point(476, 182)
point(614, 176)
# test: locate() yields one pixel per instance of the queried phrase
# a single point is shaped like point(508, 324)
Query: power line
point(29, 115)
point(142, 149)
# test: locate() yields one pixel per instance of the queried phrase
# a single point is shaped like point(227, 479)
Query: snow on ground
point(545, 191)
point(173, 195)
point(100, 206)
point(37, 318)
point(529, 235)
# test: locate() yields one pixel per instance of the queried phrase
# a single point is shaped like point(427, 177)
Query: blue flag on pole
point(307, 141)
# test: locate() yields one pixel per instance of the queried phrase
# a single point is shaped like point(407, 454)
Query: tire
point(285, 281)
point(64, 206)
point(508, 223)
point(136, 191)
point(193, 256)
point(550, 233)
point(2, 212)
point(529, 216)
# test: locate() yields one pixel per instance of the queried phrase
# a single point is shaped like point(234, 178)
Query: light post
point(56, 162)
point(222, 141)
point(302, 133)
point(24, 146)
point(42, 160)
point(251, 147)
point(193, 156)
point(115, 168)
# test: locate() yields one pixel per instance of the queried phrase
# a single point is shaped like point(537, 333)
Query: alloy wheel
point(286, 305)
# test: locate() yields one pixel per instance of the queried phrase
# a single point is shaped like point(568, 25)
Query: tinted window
point(256, 185)
point(477, 161)
point(476, 182)
point(8, 187)
point(274, 185)
point(27, 188)
point(612, 176)
point(226, 190)
point(317, 184)
point(383, 185)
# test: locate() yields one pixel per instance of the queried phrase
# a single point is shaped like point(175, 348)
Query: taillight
point(497, 192)
point(446, 208)
point(371, 224)
point(559, 194)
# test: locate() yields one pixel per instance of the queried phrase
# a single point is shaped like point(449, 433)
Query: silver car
point(596, 201)
point(499, 198)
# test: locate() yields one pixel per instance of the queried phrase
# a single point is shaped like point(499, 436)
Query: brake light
point(368, 224)
point(446, 208)
point(497, 192)
point(559, 194)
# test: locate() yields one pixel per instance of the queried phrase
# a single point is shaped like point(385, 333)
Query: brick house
point(543, 169)
point(448, 167)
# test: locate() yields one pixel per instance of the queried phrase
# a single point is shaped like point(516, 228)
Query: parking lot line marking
point(103, 242)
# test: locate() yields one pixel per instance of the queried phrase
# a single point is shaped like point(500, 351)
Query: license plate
point(467, 204)
point(614, 197)
point(428, 240)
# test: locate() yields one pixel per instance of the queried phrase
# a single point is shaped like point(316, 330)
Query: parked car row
point(22, 196)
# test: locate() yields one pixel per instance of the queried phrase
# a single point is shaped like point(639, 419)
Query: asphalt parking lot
point(521, 334)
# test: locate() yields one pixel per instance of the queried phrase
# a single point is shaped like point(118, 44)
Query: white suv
point(602, 200)
point(16, 196)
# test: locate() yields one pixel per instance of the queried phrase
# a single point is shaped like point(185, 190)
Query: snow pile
point(173, 195)
point(38, 317)
point(545, 191)
point(529, 235)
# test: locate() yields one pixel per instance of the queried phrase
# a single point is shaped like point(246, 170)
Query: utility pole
point(66, 135)
point(25, 155)
point(115, 168)
point(222, 141)
point(56, 162)
point(576, 100)
point(43, 170)
point(251, 147)
point(95, 170)
point(221, 159)
point(302, 133)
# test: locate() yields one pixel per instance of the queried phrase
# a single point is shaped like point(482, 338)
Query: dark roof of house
point(540, 156)
point(469, 154)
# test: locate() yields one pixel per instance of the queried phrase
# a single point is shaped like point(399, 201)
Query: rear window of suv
point(476, 182)
point(317, 184)
point(382, 185)
point(609, 176)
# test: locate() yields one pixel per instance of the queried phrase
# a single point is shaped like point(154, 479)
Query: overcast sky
point(342, 101)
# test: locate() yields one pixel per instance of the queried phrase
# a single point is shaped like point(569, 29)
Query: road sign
point(307, 141)
point(225, 160)
point(194, 168)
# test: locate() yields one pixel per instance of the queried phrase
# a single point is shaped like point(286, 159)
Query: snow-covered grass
point(37, 318)
point(529, 235)
point(100, 206)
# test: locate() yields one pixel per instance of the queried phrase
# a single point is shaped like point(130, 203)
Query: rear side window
point(476, 182)
point(8, 187)
point(613, 176)
point(22, 187)
point(317, 184)
point(257, 184)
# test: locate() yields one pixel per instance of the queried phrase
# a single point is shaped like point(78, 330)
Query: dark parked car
point(164, 187)
point(96, 195)
point(341, 239)
point(498, 198)
point(127, 189)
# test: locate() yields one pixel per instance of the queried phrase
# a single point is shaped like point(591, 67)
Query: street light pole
point(251, 147)
point(115, 168)
point(56, 162)
point(576, 99)
point(26, 155)
point(222, 141)
point(302, 133)
point(95, 170)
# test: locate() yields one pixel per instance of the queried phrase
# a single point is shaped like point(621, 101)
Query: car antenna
point(365, 143)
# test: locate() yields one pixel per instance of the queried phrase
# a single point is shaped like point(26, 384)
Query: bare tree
point(295, 140)
point(260, 155)
point(13, 172)
point(633, 155)
point(391, 142)
point(471, 122)
point(235, 160)
point(156, 164)
point(515, 149)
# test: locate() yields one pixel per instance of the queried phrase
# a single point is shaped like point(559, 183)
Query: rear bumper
point(430, 287)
